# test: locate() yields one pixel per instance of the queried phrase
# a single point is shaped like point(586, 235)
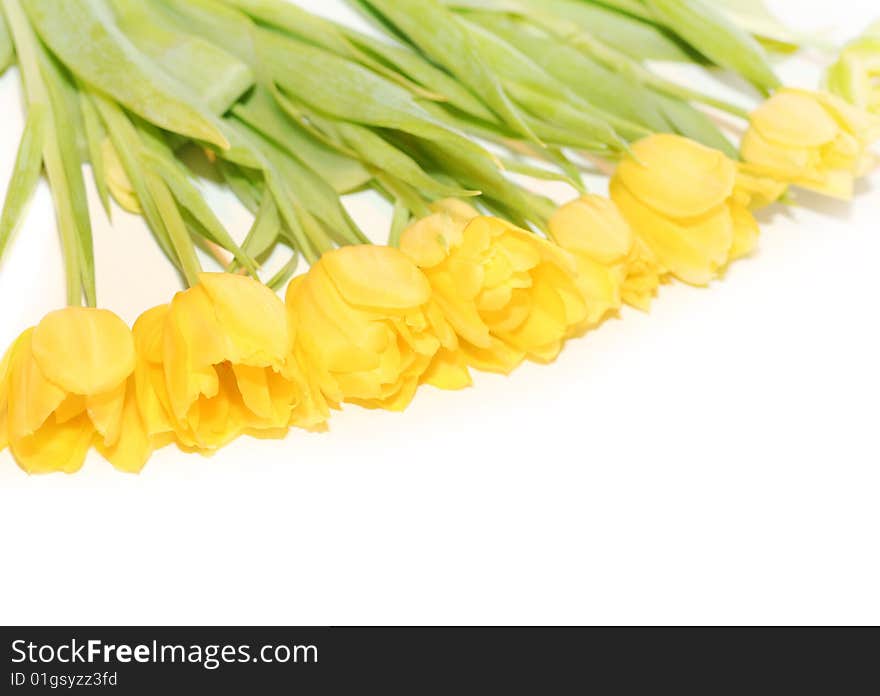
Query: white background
point(716, 461)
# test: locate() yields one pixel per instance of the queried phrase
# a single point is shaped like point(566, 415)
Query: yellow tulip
point(682, 200)
point(811, 139)
point(508, 294)
point(614, 266)
point(217, 363)
point(368, 326)
point(63, 387)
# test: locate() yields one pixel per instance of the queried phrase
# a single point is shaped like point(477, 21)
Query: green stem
point(38, 96)
point(175, 226)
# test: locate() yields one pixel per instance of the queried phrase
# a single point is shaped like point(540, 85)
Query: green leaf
point(479, 173)
point(7, 50)
point(605, 89)
point(443, 39)
point(249, 146)
point(157, 155)
point(421, 71)
point(341, 89)
point(95, 134)
point(216, 23)
point(713, 35)
point(64, 99)
point(639, 39)
point(262, 112)
point(531, 170)
point(217, 77)
point(696, 125)
point(242, 185)
point(545, 97)
point(175, 226)
point(754, 17)
point(264, 233)
point(319, 32)
point(126, 140)
point(400, 220)
point(28, 51)
point(383, 155)
point(84, 36)
point(279, 280)
point(26, 174)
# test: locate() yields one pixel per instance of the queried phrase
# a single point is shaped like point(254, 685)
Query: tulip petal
point(106, 411)
point(592, 226)
point(448, 371)
point(693, 251)
point(251, 316)
point(5, 364)
point(676, 176)
point(133, 447)
point(32, 398)
point(55, 447)
point(377, 277)
point(84, 351)
point(794, 119)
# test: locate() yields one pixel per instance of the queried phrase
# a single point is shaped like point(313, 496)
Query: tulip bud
point(811, 139)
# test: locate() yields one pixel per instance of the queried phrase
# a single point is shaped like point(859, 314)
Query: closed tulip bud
point(368, 326)
point(614, 266)
point(217, 362)
point(508, 294)
point(63, 387)
point(681, 199)
point(811, 139)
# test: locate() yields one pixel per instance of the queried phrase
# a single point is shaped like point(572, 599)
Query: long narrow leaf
point(84, 36)
point(264, 233)
point(440, 36)
point(28, 51)
point(604, 88)
point(426, 74)
point(95, 135)
point(128, 146)
point(262, 112)
point(7, 50)
point(717, 38)
point(216, 76)
point(26, 174)
point(68, 133)
point(159, 156)
point(320, 32)
point(383, 155)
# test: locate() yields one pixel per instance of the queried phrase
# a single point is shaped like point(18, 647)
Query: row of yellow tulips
point(368, 324)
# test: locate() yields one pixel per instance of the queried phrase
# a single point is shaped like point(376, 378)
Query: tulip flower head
point(614, 266)
point(63, 387)
point(509, 294)
point(682, 200)
point(368, 326)
point(217, 363)
point(812, 139)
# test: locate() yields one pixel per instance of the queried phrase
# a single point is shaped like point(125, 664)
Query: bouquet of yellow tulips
point(433, 111)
